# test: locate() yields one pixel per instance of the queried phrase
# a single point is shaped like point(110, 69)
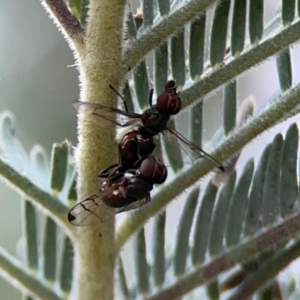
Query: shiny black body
point(120, 192)
point(130, 187)
point(151, 122)
point(134, 147)
point(154, 121)
point(127, 184)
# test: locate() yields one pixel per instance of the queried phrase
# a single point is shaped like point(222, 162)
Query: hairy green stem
point(240, 64)
point(67, 23)
point(100, 67)
point(27, 282)
point(166, 27)
point(48, 203)
point(230, 258)
point(266, 272)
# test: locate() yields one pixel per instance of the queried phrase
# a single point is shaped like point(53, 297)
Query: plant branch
point(101, 67)
point(15, 273)
point(240, 64)
point(66, 22)
point(238, 254)
point(168, 26)
point(267, 271)
point(50, 204)
point(284, 103)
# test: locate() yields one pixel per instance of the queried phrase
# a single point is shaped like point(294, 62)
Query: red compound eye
point(154, 170)
point(168, 101)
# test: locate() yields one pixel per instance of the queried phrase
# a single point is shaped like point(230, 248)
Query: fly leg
point(124, 101)
point(112, 121)
point(150, 97)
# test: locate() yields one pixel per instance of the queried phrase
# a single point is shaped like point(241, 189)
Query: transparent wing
point(134, 205)
point(188, 149)
point(93, 210)
point(105, 115)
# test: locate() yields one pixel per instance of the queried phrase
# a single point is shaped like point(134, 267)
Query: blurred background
point(39, 82)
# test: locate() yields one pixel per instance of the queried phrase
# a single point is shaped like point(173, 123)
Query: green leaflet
point(254, 208)
point(219, 217)
point(229, 106)
point(158, 240)
point(177, 57)
point(238, 27)
point(288, 11)
point(49, 249)
point(289, 181)
point(284, 69)
point(196, 123)
point(183, 232)
point(212, 290)
point(164, 7)
point(196, 46)
point(79, 9)
point(148, 12)
point(130, 24)
point(59, 162)
point(30, 234)
point(256, 24)
point(203, 224)
point(141, 264)
point(218, 33)
point(271, 192)
point(160, 68)
point(238, 203)
point(141, 85)
point(122, 279)
point(66, 265)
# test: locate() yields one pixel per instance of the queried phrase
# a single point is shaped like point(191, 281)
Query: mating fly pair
point(126, 185)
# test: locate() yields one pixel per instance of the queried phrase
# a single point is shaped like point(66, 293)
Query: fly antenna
point(150, 97)
point(123, 99)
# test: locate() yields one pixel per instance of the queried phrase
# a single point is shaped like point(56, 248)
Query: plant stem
point(66, 22)
point(240, 64)
point(50, 204)
point(266, 272)
point(236, 255)
point(166, 27)
point(27, 282)
point(100, 66)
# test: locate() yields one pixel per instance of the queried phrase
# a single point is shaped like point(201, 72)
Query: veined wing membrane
point(193, 151)
point(93, 210)
point(90, 211)
point(104, 113)
point(134, 205)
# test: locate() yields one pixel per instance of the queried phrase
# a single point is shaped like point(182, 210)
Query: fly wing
point(188, 148)
point(90, 211)
point(105, 115)
point(93, 210)
point(134, 205)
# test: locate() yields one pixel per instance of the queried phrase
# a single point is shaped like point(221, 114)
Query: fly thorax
point(154, 121)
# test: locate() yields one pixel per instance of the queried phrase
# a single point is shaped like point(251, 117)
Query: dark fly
point(120, 192)
point(152, 121)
